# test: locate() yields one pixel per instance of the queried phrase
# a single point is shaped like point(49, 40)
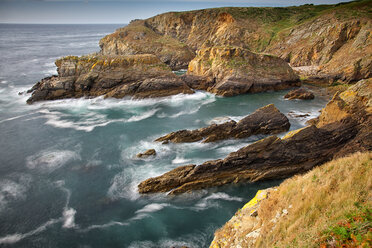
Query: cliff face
point(235, 70)
point(114, 76)
point(334, 39)
point(138, 38)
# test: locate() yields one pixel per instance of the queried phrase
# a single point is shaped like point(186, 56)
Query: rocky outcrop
point(235, 70)
point(346, 131)
point(301, 94)
point(138, 38)
point(146, 154)
point(139, 76)
point(333, 39)
point(266, 120)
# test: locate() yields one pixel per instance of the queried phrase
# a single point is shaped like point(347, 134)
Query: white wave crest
point(180, 160)
point(69, 218)
point(50, 160)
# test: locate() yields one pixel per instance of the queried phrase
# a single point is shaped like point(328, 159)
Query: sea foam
point(50, 160)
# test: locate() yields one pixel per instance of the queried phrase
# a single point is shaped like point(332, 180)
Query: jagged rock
point(149, 152)
point(266, 120)
point(331, 39)
point(346, 129)
point(230, 71)
point(139, 76)
point(299, 94)
point(139, 38)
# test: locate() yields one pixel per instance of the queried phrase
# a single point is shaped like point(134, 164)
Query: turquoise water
point(68, 168)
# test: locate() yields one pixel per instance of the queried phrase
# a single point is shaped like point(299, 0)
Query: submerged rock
point(139, 76)
point(148, 153)
point(343, 127)
point(229, 71)
point(266, 120)
point(301, 94)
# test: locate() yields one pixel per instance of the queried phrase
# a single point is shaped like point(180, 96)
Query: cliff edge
point(329, 206)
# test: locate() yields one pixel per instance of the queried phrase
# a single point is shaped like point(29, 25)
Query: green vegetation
point(331, 203)
point(354, 231)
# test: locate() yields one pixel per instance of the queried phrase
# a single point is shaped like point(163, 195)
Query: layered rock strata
point(266, 120)
point(139, 76)
point(343, 127)
point(301, 94)
point(331, 42)
point(229, 71)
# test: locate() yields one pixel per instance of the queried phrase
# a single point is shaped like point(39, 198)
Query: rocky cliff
point(232, 71)
point(343, 127)
point(332, 42)
point(227, 51)
point(112, 76)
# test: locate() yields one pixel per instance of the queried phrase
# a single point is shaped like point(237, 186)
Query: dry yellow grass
point(315, 201)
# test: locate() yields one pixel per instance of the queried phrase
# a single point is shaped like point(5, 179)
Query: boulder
point(148, 153)
point(138, 76)
point(301, 94)
point(266, 120)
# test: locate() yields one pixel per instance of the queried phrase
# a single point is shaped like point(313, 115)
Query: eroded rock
point(229, 71)
point(266, 120)
point(346, 129)
point(301, 94)
point(139, 76)
point(148, 153)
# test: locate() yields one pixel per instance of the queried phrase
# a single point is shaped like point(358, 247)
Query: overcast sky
point(116, 11)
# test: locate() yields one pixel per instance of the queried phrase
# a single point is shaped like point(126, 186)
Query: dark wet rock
point(266, 120)
point(343, 127)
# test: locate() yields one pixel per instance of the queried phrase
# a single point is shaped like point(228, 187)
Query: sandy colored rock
point(148, 153)
point(230, 71)
point(266, 120)
point(138, 76)
point(301, 94)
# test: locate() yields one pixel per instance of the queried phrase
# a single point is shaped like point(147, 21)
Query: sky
point(117, 11)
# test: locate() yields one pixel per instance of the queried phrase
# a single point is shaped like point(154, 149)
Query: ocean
point(68, 168)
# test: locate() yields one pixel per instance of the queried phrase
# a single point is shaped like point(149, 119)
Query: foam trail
point(15, 117)
point(153, 207)
point(14, 238)
point(50, 160)
point(13, 189)
point(111, 223)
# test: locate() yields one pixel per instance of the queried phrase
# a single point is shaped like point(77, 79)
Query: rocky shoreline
point(228, 51)
point(343, 127)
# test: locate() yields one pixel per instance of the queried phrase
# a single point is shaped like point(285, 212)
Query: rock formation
point(331, 42)
point(266, 120)
point(148, 153)
point(301, 94)
point(228, 51)
point(112, 76)
point(231, 71)
point(139, 38)
point(343, 127)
